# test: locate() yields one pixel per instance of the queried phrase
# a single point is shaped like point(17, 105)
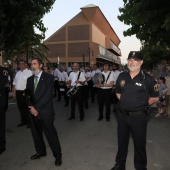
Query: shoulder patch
point(156, 87)
point(5, 73)
point(122, 83)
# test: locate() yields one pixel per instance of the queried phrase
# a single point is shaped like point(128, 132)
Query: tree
point(149, 20)
point(153, 55)
point(19, 19)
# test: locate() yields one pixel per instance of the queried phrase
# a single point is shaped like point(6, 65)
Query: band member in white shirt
point(77, 78)
point(19, 86)
point(63, 80)
point(86, 87)
point(56, 73)
point(104, 93)
point(93, 88)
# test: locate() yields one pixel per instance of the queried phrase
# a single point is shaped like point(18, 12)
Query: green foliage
point(149, 20)
point(19, 19)
point(152, 55)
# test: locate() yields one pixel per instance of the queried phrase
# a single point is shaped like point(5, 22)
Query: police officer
point(3, 82)
point(135, 90)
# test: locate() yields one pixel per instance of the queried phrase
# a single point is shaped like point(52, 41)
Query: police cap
point(136, 55)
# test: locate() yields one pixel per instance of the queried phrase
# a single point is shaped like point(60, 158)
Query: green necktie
point(35, 82)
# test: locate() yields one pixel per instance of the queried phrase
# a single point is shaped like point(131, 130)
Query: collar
point(39, 75)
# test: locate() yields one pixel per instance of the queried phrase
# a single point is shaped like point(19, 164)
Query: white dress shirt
point(115, 75)
point(20, 79)
point(94, 72)
point(73, 77)
point(108, 80)
point(63, 76)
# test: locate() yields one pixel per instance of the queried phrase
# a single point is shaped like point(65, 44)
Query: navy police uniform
point(3, 81)
point(132, 117)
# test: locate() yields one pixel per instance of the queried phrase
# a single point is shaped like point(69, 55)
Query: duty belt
point(128, 113)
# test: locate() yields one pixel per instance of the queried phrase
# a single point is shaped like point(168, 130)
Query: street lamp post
point(90, 52)
point(83, 61)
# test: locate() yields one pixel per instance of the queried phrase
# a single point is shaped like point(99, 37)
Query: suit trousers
point(135, 125)
point(46, 125)
point(78, 97)
point(23, 108)
point(104, 99)
point(2, 119)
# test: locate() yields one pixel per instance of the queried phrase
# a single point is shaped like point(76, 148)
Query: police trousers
point(136, 126)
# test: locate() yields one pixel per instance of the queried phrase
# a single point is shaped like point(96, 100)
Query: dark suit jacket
point(42, 98)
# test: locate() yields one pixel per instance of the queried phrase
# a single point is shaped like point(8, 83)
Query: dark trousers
point(104, 99)
point(2, 119)
point(23, 108)
point(85, 95)
point(46, 125)
point(66, 98)
point(78, 97)
point(64, 93)
point(136, 126)
point(7, 89)
point(57, 88)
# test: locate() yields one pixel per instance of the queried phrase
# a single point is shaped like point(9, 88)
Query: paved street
point(87, 145)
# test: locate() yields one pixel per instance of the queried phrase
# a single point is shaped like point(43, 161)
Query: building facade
point(87, 39)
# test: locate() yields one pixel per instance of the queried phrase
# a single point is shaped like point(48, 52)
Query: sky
point(64, 10)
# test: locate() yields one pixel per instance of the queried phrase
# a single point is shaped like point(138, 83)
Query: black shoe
point(100, 118)
point(70, 118)
point(81, 119)
point(118, 167)
point(107, 119)
point(21, 124)
point(2, 150)
point(28, 125)
point(58, 162)
point(65, 105)
point(37, 156)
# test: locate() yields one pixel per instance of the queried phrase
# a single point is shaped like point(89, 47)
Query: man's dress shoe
point(21, 124)
point(58, 162)
point(2, 150)
point(70, 118)
point(118, 167)
point(37, 156)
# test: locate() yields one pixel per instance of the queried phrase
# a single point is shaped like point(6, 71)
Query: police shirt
point(3, 78)
point(134, 97)
point(3, 81)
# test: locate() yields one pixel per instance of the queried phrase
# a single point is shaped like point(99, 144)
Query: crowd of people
point(34, 88)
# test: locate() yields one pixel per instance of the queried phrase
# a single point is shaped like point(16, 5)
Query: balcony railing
point(115, 48)
point(107, 55)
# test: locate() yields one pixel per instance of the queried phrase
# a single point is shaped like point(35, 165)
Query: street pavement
point(87, 145)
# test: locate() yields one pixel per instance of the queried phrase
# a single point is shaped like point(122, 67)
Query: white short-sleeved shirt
point(73, 77)
point(56, 74)
point(115, 75)
point(87, 75)
point(107, 81)
point(20, 79)
point(94, 72)
point(63, 76)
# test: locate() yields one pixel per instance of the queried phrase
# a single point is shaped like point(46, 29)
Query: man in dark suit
point(39, 95)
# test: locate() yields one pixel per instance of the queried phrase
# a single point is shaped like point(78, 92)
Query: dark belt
point(128, 113)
